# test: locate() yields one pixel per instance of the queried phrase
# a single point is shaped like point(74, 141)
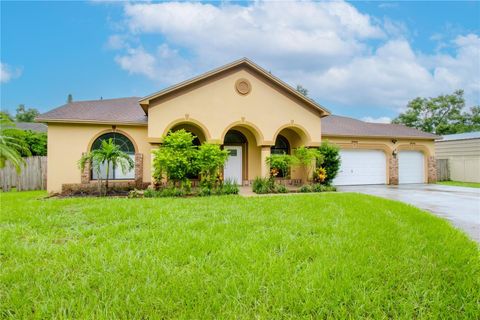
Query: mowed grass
point(298, 256)
point(460, 184)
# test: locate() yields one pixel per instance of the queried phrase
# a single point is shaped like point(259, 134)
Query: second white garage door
point(362, 167)
point(410, 167)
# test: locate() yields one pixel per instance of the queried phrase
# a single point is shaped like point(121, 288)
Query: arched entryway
point(193, 129)
point(199, 138)
point(287, 139)
point(281, 147)
point(244, 162)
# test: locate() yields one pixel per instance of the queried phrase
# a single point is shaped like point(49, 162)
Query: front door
point(233, 167)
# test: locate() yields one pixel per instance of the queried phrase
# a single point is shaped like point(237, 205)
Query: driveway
point(459, 205)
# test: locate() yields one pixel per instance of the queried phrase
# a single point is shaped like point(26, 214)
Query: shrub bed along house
point(178, 160)
point(327, 163)
point(177, 163)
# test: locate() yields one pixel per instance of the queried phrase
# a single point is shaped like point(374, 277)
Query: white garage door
point(362, 167)
point(410, 167)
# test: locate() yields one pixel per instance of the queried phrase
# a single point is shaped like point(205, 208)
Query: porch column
point(265, 168)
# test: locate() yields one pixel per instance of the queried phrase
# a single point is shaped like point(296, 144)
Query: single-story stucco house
point(462, 151)
point(247, 110)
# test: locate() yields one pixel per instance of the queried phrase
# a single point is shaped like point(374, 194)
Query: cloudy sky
point(360, 59)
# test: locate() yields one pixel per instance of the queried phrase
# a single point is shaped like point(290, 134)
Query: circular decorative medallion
point(243, 86)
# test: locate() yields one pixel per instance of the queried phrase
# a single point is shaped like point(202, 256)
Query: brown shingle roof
point(114, 111)
point(128, 111)
point(349, 127)
point(32, 126)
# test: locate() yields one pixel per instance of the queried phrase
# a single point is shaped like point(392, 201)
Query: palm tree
point(9, 145)
point(110, 154)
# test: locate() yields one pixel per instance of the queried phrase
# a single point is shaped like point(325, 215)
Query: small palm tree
point(109, 154)
point(9, 145)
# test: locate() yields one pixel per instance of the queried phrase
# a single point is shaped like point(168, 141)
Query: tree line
point(444, 114)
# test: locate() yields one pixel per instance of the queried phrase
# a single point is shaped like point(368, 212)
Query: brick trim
point(432, 169)
point(85, 175)
point(393, 170)
point(138, 169)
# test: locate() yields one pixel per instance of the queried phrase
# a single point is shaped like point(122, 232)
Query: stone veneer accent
point(85, 175)
point(138, 169)
point(393, 170)
point(432, 169)
point(86, 184)
point(92, 187)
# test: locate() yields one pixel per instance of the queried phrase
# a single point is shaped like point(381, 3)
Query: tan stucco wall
point(388, 146)
point(67, 142)
point(216, 106)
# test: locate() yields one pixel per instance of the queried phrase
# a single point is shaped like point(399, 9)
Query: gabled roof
point(244, 62)
point(111, 111)
point(461, 136)
point(348, 127)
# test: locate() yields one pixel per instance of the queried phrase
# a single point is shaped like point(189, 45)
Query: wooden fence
point(32, 177)
point(443, 173)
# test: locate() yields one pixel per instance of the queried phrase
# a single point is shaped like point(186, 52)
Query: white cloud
point(377, 120)
point(273, 33)
point(325, 46)
point(394, 74)
point(116, 42)
point(165, 65)
point(137, 61)
point(8, 73)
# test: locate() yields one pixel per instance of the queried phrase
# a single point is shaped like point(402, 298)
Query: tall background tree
point(445, 114)
point(10, 146)
point(26, 115)
point(69, 98)
point(302, 90)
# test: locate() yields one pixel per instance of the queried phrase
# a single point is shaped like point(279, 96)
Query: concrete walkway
point(460, 205)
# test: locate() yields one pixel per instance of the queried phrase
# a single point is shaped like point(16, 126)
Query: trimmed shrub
point(280, 164)
point(331, 161)
point(150, 193)
point(280, 188)
point(317, 187)
point(305, 188)
point(209, 159)
point(175, 158)
point(135, 193)
point(319, 175)
point(305, 157)
point(263, 185)
point(229, 187)
point(165, 192)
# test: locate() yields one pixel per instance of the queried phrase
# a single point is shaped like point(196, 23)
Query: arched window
point(234, 137)
point(126, 146)
point(281, 146)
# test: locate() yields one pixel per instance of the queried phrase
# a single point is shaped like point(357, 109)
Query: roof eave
point(144, 102)
point(80, 121)
point(376, 136)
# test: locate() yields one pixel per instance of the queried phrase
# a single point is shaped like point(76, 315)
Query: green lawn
point(460, 184)
point(298, 256)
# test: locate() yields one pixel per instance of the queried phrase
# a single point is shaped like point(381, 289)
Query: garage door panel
point(361, 167)
point(411, 167)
